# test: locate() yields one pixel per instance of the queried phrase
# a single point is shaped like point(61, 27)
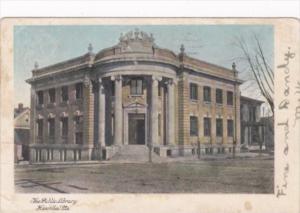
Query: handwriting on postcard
point(284, 105)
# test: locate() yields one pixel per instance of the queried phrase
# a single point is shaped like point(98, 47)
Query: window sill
point(51, 105)
point(78, 101)
point(39, 106)
point(64, 103)
point(135, 95)
point(194, 100)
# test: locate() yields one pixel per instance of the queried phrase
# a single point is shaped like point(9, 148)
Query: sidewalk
point(183, 159)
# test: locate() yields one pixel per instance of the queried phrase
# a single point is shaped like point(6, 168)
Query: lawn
point(254, 175)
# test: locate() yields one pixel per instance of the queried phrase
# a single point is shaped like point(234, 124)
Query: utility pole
point(149, 139)
point(150, 153)
point(235, 110)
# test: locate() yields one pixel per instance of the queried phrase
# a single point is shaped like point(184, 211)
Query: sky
point(212, 43)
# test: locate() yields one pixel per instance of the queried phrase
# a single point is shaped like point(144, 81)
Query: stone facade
point(88, 107)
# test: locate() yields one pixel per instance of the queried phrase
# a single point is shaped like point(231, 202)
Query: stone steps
point(135, 153)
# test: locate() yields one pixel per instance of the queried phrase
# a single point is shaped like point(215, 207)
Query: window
point(40, 127)
point(207, 127)
point(64, 94)
point(136, 87)
point(78, 119)
point(253, 114)
point(159, 124)
point(229, 128)
point(52, 95)
point(51, 127)
point(64, 127)
point(40, 96)
point(112, 88)
point(206, 94)
point(79, 90)
point(78, 138)
point(193, 91)
point(219, 96)
point(193, 126)
point(159, 90)
point(219, 127)
point(229, 98)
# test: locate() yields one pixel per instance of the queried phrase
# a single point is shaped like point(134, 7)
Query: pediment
point(135, 105)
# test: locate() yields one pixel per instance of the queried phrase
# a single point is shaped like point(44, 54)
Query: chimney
point(20, 107)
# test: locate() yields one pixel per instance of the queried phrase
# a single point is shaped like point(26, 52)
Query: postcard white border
point(286, 35)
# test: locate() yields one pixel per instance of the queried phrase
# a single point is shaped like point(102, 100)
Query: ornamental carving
point(136, 36)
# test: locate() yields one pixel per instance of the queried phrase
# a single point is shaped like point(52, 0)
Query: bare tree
point(259, 67)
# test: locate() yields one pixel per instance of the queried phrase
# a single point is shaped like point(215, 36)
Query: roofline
point(176, 60)
point(210, 64)
point(28, 109)
point(61, 62)
point(252, 99)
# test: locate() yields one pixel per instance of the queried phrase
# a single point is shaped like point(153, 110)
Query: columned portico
point(118, 111)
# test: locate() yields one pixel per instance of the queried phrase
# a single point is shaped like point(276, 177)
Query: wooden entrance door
point(136, 130)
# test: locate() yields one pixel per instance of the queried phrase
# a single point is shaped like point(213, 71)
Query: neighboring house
point(268, 132)
point(133, 93)
point(21, 132)
point(251, 125)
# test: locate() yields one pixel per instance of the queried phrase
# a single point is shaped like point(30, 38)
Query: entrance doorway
point(136, 130)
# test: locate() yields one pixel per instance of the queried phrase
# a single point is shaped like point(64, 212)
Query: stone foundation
point(205, 149)
point(41, 153)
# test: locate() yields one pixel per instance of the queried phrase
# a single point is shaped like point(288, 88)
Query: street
point(251, 175)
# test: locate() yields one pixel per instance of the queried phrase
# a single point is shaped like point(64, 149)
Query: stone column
point(154, 110)
point(171, 113)
point(88, 116)
point(118, 111)
point(101, 114)
point(33, 125)
point(183, 112)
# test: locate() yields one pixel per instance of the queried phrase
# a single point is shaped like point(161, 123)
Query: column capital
point(100, 82)
point(99, 79)
point(86, 81)
point(116, 78)
point(156, 78)
point(171, 81)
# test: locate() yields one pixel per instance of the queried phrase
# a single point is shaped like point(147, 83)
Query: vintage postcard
point(150, 115)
